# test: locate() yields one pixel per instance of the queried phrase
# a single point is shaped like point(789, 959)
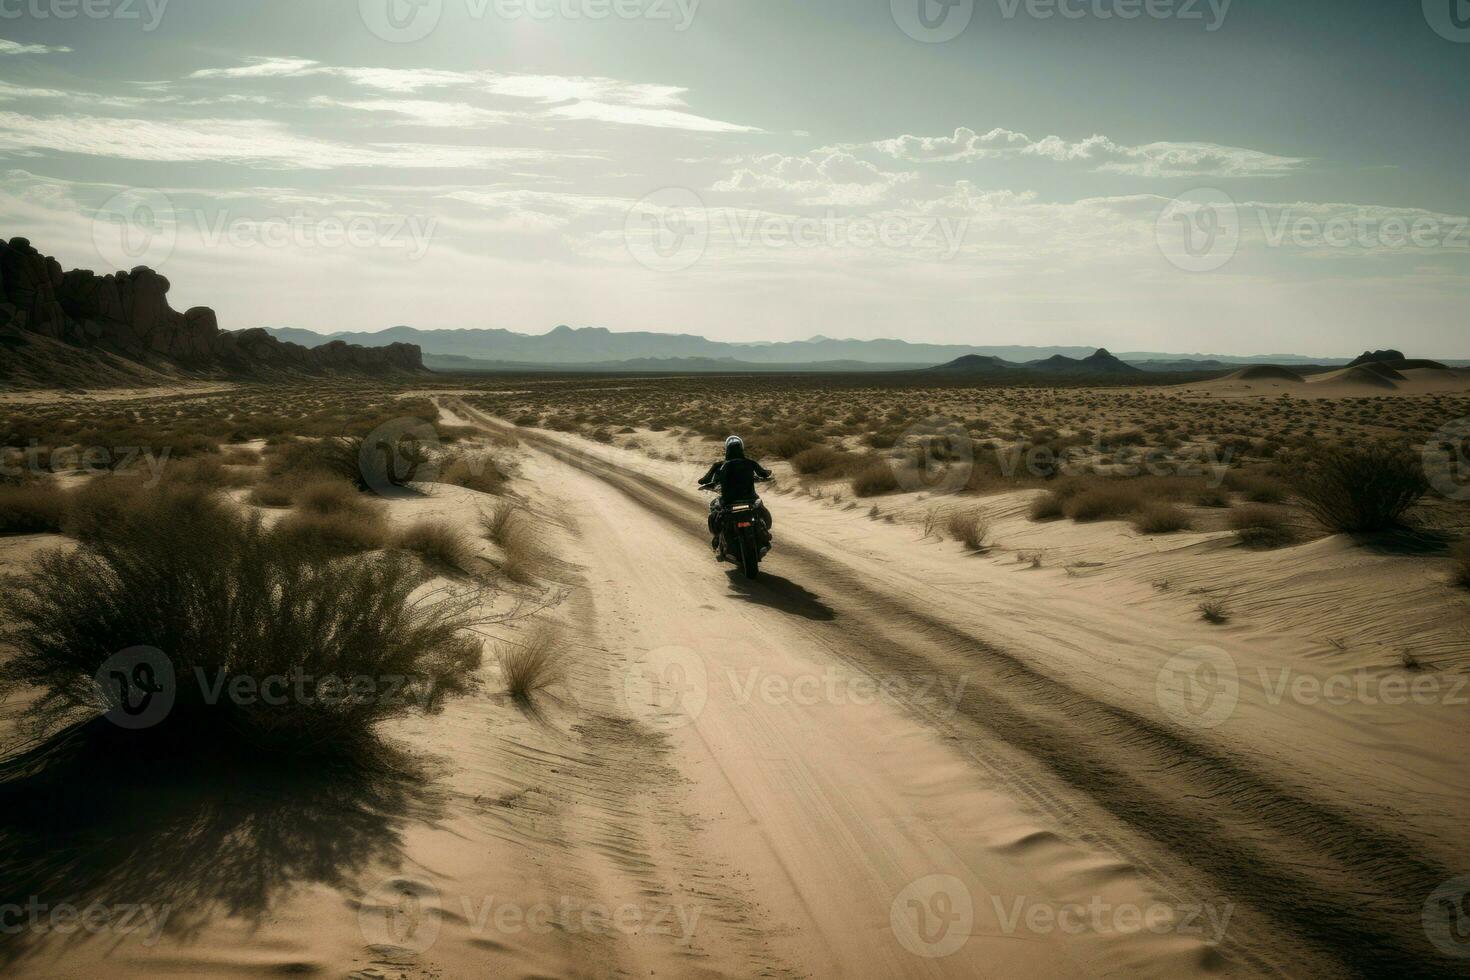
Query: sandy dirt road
point(975, 815)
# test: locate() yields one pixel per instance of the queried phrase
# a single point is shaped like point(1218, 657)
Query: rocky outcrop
point(128, 314)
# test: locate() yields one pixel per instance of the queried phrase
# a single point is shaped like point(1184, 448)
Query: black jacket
point(736, 478)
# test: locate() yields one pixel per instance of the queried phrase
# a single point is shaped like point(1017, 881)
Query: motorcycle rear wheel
point(749, 557)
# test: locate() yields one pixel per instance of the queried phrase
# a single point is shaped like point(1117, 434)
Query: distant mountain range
point(1098, 362)
point(596, 348)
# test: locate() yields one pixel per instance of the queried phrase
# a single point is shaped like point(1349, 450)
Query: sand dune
point(1354, 382)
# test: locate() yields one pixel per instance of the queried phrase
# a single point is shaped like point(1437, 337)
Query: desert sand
point(886, 757)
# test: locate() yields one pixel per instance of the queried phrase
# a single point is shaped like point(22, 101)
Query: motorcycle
point(741, 534)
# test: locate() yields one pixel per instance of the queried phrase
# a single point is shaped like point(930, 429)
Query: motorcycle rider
point(736, 477)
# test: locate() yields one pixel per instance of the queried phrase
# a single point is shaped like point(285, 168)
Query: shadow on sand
point(88, 818)
point(779, 593)
point(1419, 542)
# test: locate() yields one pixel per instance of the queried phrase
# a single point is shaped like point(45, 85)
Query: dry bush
point(1256, 487)
point(206, 471)
point(1213, 497)
point(33, 507)
point(1461, 557)
point(240, 456)
point(438, 543)
point(275, 492)
point(479, 472)
point(1053, 503)
point(1106, 500)
point(508, 526)
point(393, 463)
point(224, 598)
point(787, 444)
point(531, 665)
point(1261, 527)
point(330, 495)
point(970, 528)
point(874, 478)
point(497, 524)
point(1361, 488)
point(827, 462)
point(337, 534)
point(102, 502)
point(1161, 518)
point(522, 554)
point(1216, 611)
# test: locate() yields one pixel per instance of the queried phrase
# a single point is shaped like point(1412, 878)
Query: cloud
point(252, 142)
point(633, 115)
point(263, 68)
point(579, 97)
point(1098, 152)
point(15, 47)
point(420, 112)
point(828, 176)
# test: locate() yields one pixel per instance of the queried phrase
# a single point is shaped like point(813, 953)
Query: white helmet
point(735, 441)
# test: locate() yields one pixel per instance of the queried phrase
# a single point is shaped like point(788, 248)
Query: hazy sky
point(1180, 175)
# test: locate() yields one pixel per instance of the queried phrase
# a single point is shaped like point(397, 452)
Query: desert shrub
point(329, 495)
point(1213, 497)
point(880, 440)
point(392, 462)
point(969, 528)
point(1258, 488)
point(1048, 506)
point(1161, 518)
point(206, 471)
point(788, 444)
point(103, 501)
point(497, 524)
point(1129, 437)
point(241, 456)
point(1361, 488)
point(1106, 500)
point(1460, 554)
point(825, 461)
point(438, 543)
point(507, 526)
point(522, 554)
point(223, 598)
point(479, 472)
point(32, 507)
point(333, 517)
point(1214, 611)
point(1261, 527)
point(531, 665)
point(276, 492)
point(874, 478)
point(299, 458)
